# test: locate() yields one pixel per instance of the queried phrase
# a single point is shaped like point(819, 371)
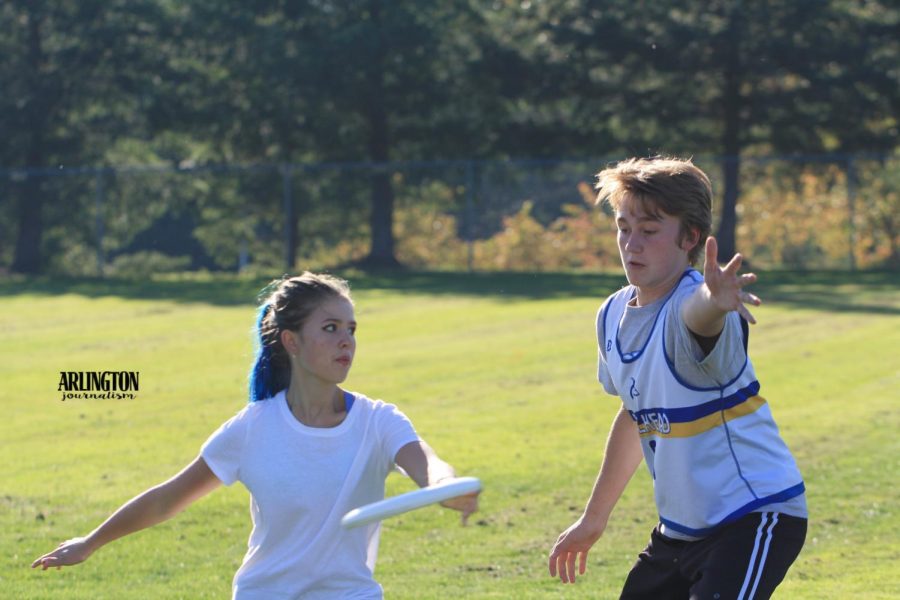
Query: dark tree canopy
point(374, 81)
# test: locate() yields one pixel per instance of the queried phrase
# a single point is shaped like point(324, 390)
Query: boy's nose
point(632, 244)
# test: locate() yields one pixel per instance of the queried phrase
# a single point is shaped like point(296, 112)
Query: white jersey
point(714, 453)
point(302, 480)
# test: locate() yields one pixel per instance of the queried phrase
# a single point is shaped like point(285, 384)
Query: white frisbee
point(391, 507)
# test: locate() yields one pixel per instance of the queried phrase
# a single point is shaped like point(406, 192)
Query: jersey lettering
point(650, 422)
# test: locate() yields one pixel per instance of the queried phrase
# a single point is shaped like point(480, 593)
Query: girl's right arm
point(157, 504)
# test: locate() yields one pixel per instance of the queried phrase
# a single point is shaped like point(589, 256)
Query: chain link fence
point(815, 212)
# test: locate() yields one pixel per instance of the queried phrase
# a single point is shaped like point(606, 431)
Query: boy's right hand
point(573, 543)
point(726, 287)
point(71, 552)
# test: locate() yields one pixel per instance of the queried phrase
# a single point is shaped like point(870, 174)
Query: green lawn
point(497, 373)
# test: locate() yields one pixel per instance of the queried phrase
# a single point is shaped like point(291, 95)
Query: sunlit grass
point(496, 372)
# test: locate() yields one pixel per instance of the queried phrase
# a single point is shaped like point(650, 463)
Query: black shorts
point(742, 560)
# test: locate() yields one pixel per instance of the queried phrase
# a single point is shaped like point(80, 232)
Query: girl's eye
point(332, 328)
point(649, 231)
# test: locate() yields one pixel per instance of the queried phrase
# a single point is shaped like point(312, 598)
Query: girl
point(307, 450)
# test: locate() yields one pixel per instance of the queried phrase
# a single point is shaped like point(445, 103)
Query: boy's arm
point(622, 457)
point(722, 291)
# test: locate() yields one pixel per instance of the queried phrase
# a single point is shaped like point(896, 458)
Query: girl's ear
point(290, 342)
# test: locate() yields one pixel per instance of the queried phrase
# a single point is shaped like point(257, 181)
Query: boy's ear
point(691, 238)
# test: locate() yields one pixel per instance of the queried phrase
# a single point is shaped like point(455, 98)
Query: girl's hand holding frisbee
point(457, 493)
point(466, 504)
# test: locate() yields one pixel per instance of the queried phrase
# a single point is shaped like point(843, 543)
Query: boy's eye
point(353, 331)
point(649, 231)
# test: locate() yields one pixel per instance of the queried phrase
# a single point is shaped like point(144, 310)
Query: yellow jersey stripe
point(703, 424)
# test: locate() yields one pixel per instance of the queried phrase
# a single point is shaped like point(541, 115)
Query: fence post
point(852, 183)
point(470, 202)
point(290, 226)
point(99, 200)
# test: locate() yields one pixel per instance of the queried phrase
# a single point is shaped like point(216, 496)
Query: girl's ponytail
point(268, 376)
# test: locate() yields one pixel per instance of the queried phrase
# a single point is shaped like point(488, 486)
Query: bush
point(142, 264)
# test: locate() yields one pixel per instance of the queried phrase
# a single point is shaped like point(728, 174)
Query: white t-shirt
point(302, 480)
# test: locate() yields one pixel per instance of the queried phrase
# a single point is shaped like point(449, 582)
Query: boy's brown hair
point(670, 185)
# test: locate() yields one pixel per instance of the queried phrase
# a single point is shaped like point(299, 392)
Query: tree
point(392, 81)
point(69, 72)
point(364, 82)
point(778, 76)
point(726, 77)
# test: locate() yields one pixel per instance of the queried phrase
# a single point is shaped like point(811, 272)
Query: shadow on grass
point(218, 290)
point(232, 290)
point(875, 292)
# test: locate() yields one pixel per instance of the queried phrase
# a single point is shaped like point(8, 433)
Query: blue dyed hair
point(263, 374)
point(286, 308)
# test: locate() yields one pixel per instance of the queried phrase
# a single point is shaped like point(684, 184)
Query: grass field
point(497, 373)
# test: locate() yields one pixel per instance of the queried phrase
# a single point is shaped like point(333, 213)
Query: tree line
point(112, 82)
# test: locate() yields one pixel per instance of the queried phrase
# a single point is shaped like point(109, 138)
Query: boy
point(673, 346)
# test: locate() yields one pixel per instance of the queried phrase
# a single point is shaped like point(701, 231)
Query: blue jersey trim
point(678, 378)
point(782, 496)
point(348, 400)
point(737, 463)
point(603, 314)
point(692, 413)
point(629, 357)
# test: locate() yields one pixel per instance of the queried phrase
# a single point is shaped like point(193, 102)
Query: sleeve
point(396, 431)
point(224, 448)
point(603, 375)
point(727, 357)
point(730, 352)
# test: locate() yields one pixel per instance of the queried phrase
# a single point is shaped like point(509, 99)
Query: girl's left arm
point(425, 467)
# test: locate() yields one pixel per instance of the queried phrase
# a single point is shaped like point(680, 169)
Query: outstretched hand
point(726, 287)
point(71, 552)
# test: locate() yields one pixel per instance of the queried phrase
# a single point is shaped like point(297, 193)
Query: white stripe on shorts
point(753, 555)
